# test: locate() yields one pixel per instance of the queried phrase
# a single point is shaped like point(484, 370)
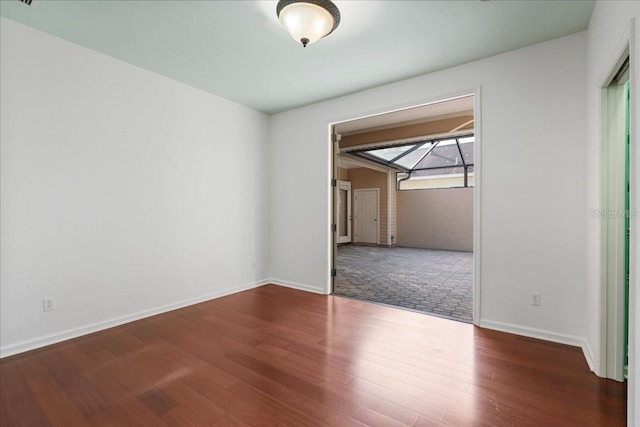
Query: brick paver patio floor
point(426, 280)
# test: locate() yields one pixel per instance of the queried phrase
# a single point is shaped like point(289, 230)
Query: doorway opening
point(411, 176)
point(616, 215)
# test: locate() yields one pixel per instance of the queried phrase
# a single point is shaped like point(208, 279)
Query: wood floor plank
point(423, 407)
point(247, 412)
point(19, 405)
point(373, 418)
point(181, 416)
point(58, 408)
point(427, 422)
point(286, 413)
point(327, 406)
point(4, 415)
point(274, 356)
point(129, 413)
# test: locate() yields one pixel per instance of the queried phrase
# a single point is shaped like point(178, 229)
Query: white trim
point(364, 163)
point(613, 199)
point(298, 286)
point(589, 355)
point(406, 141)
point(633, 387)
point(332, 205)
point(533, 333)
point(390, 188)
point(355, 212)
point(68, 334)
point(604, 314)
point(404, 106)
point(616, 60)
point(345, 186)
point(452, 175)
point(541, 334)
point(477, 205)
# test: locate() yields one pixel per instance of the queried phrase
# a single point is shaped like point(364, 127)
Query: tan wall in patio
point(436, 219)
point(343, 174)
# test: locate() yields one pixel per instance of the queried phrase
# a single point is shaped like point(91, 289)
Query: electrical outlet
point(253, 265)
point(48, 304)
point(534, 298)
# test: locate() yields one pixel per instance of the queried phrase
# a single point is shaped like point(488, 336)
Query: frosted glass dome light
point(308, 21)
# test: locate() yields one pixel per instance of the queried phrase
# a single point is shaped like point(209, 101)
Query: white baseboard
point(299, 286)
point(57, 337)
point(533, 333)
point(587, 351)
point(589, 355)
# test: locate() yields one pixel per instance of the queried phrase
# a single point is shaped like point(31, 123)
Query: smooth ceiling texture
point(238, 50)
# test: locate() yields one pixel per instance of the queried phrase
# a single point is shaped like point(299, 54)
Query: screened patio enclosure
point(434, 163)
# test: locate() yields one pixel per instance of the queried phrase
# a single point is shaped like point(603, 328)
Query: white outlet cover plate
point(48, 304)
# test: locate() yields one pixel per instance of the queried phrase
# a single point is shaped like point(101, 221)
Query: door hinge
point(333, 272)
point(334, 182)
point(334, 228)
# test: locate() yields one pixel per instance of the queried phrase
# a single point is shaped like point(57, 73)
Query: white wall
point(609, 23)
point(532, 188)
point(124, 193)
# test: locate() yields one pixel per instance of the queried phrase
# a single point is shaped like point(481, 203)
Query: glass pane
point(425, 160)
point(444, 154)
point(342, 213)
point(390, 153)
point(466, 145)
point(410, 160)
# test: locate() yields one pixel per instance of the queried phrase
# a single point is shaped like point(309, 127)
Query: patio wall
point(436, 219)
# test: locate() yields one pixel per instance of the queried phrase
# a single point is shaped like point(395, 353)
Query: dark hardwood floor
point(279, 357)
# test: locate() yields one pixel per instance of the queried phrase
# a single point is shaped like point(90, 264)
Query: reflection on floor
point(431, 281)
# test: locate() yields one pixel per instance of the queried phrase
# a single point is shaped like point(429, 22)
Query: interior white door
point(344, 212)
point(366, 215)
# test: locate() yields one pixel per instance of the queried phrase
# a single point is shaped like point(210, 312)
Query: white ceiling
point(238, 50)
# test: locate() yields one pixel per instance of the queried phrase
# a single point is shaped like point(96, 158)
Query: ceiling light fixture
point(308, 20)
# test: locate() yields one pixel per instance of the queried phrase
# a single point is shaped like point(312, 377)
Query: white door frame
point(355, 212)
point(613, 232)
point(346, 186)
point(612, 305)
point(332, 154)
